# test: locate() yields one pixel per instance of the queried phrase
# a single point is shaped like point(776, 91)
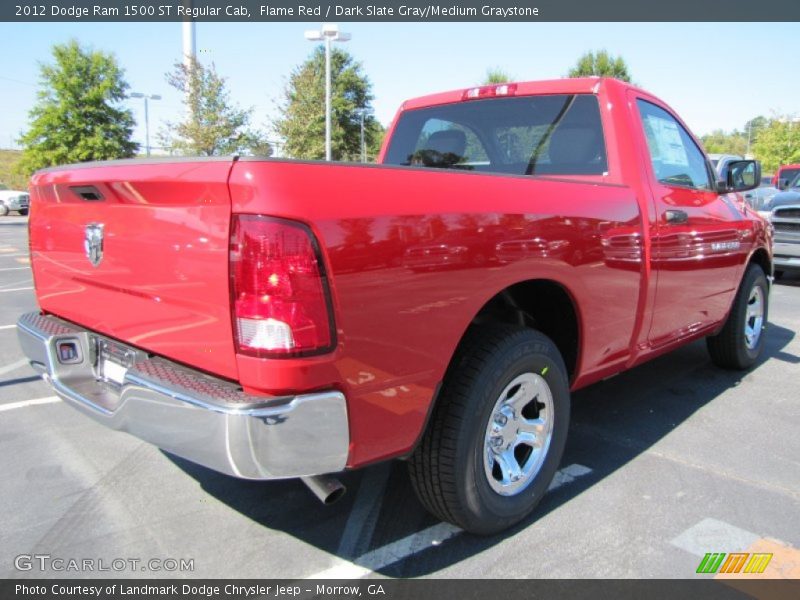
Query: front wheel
point(739, 343)
point(23, 212)
point(498, 430)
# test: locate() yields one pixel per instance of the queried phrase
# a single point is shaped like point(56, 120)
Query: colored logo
point(735, 562)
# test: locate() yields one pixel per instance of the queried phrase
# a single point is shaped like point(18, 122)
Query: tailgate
point(138, 251)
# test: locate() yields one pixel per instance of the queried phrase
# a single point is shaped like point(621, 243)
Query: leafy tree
point(735, 142)
point(496, 75)
point(720, 142)
point(778, 143)
point(212, 126)
point(302, 124)
point(602, 64)
point(77, 116)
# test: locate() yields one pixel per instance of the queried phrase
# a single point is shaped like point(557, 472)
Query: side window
point(676, 158)
point(447, 144)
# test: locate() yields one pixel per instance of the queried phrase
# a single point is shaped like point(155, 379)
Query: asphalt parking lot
point(665, 463)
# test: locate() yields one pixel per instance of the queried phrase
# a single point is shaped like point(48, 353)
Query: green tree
point(778, 143)
point(213, 126)
point(602, 64)
point(720, 142)
point(77, 116)
point(735, 142)
point(496, 75)
point(302, 106)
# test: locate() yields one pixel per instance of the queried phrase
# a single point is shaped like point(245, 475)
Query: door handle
point(675, 217)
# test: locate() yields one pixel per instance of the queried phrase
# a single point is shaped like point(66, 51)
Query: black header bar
point(402, 10)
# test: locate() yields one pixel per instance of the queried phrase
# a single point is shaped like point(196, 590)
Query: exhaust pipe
point(328, 489)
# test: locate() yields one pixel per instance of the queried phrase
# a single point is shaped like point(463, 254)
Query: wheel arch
point(525, 303)
point(542, 304)
point(762, 258)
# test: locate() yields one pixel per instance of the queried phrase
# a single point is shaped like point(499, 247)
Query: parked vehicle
point(760, 198)
point(720, 162)
point(197, 303)
point(784, 175)
point(783, 211)
point(14, 200)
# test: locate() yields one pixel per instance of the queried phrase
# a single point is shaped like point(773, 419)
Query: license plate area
point(113, 361)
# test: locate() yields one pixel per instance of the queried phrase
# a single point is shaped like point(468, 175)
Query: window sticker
point(668, 147)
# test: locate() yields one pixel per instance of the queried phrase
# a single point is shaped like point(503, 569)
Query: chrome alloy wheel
point(754, 317)
point(518, 434)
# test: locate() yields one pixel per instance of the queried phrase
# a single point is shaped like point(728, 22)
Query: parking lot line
point(713, 534)
point(419, 541)
point(363, 516)
point(22, 289)
point(24, 403)
point(13, 366)
point(14, 268)
point(7, 326)
point(17, 283)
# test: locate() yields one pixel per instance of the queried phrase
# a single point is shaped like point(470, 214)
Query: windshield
point(790, 175)
point(533, 135)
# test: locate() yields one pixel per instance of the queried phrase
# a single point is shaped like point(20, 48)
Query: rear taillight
point(280, 296)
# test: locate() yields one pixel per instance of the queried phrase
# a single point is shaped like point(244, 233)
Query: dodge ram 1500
point(276, 318)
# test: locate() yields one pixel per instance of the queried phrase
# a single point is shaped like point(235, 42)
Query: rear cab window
point(559, 134)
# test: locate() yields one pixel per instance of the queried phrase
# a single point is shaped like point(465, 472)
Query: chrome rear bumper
point(207, 420)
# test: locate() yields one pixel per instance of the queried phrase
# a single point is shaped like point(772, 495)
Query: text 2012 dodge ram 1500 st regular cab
point(275, 318)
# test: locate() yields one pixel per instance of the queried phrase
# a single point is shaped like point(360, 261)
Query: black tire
point(729, 349)
point(23, 211)
point(3, 210)
point(447, 468)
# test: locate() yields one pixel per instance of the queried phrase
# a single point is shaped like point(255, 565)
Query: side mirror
point(739, 176)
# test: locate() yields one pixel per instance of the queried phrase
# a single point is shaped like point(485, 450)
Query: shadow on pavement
point(789, 279)
point(624, 415)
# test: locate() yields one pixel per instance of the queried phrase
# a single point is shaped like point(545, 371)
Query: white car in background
point(14, 200)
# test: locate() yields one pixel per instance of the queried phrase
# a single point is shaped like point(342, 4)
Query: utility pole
point(363, 144)
point(146, 116)
point(189, 51)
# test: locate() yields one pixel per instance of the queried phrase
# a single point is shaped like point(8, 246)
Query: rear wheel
point(3, 210)
point(739, 343)
point(498, 431)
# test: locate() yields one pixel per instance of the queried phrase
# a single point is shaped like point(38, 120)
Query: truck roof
point(567, 85)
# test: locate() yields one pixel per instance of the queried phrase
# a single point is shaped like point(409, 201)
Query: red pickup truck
point(276, 318)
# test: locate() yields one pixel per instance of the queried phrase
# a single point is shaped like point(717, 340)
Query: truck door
point(697, 250)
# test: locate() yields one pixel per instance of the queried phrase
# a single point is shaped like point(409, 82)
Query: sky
point(715, 75)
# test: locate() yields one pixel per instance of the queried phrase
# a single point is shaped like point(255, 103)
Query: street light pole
point(329, 33)
point(363, 145)
point(327, 98)
point(146, 116)
point(749, 133)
